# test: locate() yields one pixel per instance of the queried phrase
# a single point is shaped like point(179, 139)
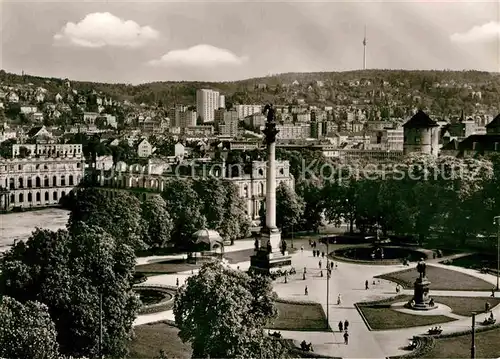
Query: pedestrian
point(303, 276)
point(336, 266)
point(366, 284)
point(487, 307)
point(286, 278)
point(305, 291)
point(339, 300)
point(493, 293)
point(321, 273)
point(341, 326)
point(314, 253)
point(238, 267)
point(177, 282)
point(346, 325)
point(302, 249)
point(319, 264)
point(346, 338)
point(331, 265)
point(397, 288)
point(305, 270)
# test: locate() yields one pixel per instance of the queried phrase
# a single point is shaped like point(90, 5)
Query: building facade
point(207, 101)
point(421, 134)
point(250, 182)
point(43, 180)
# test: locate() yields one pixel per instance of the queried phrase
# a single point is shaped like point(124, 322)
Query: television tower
point(364, 50)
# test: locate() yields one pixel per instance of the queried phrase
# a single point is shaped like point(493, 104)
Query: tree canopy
point(221, 312)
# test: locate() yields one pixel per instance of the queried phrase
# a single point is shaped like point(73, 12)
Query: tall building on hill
point(421, 134)
point(207, 101)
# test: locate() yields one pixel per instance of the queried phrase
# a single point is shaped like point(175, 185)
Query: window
point(21, 198)
point(38, 182)
point(21, 182)
point(78, 165)
point(38, 197)
point(54, 181)
point(46, 181)
point(63, 180)
point(20, 167)
point(11, 183)
point(46, 196)
point(30, 197)
point(12, 198)
point(54, 196)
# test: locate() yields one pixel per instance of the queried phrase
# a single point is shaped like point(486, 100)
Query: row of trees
point(425, 196)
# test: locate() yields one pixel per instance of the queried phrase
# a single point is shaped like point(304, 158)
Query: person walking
point(319, 264)
point(306, 292)
point(346, 325)
point(341, 326)
point(177, 282)
point(302, 249)
point(339, 300)
point(346, 338)
point(366, 284)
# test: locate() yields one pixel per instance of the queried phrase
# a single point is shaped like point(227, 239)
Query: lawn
point(466, 305)
point(441, 279)
point(476, 261)
point(153, 296)
point(299, 316)
point(382, 317)
point(151, 338)
point(487, 346)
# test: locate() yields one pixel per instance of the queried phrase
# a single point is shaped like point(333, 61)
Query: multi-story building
point(247, 110)
point(293, 132)
point(203, 130)
point(47, 174)
point(207, 101)
point(250, 181)
point(187, 119)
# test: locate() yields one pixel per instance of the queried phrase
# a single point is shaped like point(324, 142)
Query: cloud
point(200, 56)
point(101, 29)
point(483, 33)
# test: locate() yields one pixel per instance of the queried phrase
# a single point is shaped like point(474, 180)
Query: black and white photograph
point(249, 179)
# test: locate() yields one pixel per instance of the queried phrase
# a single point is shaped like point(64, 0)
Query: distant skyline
point(133, 42)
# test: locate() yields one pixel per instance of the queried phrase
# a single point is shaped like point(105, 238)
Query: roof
point(34, 130)
point(207, 236)
point(420, 120)
point(453, 145)
point(494, 123)
point(482, 143)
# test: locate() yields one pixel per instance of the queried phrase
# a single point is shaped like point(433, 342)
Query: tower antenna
point(364, 50)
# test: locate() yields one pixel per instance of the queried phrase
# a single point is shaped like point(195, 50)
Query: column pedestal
point(266, 262)
point(421, 295)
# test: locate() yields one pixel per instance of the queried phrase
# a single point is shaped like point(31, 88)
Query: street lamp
point(327, 285)
point(497, 221)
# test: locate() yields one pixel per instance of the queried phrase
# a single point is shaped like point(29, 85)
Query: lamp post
point(292, 237)
point(327, 286)
point(497, 221)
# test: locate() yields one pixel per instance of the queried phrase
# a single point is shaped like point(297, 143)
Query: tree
point(289, 207)
point(156, 222)
point(119, 215)
point(221, 312)
point(311, 193)
point(184, 207)
point(26, 331)
point(68, 273)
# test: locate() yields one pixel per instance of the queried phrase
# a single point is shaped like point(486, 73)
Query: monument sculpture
point(421, 299)
point(270, 252)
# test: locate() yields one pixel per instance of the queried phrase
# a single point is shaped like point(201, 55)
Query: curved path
point(349, 281)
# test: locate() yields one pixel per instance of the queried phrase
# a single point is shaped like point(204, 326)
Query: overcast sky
point(125, 41)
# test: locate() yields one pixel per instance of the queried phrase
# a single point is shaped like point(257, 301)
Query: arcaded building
point(39, 174)
point(250, 179)
point(421, 134)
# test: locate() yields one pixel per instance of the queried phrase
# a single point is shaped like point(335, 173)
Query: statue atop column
point(270, 131)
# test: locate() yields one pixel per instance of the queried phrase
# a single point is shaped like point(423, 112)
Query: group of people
point(316, 253)
point(344, 327)
point(436, 330)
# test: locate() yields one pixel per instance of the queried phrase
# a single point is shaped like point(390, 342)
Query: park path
point(348, 280)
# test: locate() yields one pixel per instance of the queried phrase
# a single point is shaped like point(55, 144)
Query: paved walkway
point(348, 280)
